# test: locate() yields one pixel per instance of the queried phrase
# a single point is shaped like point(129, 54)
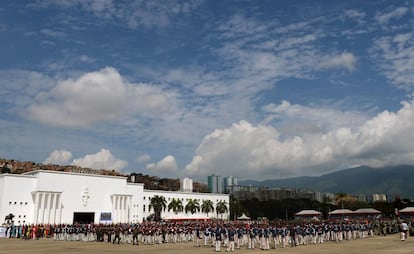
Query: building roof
point(308, 213)
point(367, 211)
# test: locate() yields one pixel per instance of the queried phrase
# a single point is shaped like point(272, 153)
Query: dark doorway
point(83, 218)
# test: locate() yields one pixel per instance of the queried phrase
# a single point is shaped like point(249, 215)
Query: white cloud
point(297, 118)
point(101, 160)
point(344, 60)
point(143, 158)
point(59, 157)
point(19, 87)
point(355, 14)
point(168, 165)
point(262, 151)
point(394, 56)
point(385, 17)
point(52, 33)
point(135, 14)
point(101, 96)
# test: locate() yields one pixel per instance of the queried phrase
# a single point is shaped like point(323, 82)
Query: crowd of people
point(218, 235)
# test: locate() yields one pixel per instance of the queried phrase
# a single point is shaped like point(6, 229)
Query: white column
point(52, 219)
point(128, 205)
point(113, 208)
point(121, 209)
point(36, 209)
point(59, 208)
point(41, 208)
point(48, 205)
point(116, 209)
point(125, 209)
point(44, 204)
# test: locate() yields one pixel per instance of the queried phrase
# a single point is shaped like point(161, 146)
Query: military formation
point(217, 235)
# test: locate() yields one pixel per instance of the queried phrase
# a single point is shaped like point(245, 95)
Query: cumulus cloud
point(101, 96)
point(101, 160)
point(167, 165)
point(262, 151)
point(59, 157)
point(344, 60)
point(298, 118)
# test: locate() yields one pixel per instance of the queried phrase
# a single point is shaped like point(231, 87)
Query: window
point(143, 208)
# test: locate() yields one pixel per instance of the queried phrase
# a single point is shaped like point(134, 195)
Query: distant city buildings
point(229, 184)
point(219, 184)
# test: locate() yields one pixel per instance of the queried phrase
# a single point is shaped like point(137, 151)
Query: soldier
point(117, 232)
point(218, 238)
point(231, 233)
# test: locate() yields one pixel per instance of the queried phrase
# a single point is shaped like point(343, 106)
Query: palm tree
point(158, 203)
point(221, 208)
point(207, 206)
point(192, 206)
point(340, 198)
point(176, 205)
point(235, 208)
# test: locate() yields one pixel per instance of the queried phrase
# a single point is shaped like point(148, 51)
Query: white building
point(186, 185)
point(53, 197)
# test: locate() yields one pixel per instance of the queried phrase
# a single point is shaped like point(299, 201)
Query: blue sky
point(253, 89)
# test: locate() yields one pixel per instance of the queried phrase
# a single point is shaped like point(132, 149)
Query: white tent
point(308, 213)
point(367, 211)
point(243, 217)
point(407, 210)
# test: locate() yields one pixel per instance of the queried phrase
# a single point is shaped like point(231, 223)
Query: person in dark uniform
point(117, 232)
point(292, 234)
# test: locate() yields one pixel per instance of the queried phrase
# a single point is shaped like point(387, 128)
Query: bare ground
point(377, 245)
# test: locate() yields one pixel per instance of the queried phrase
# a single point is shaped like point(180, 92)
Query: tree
point(207, 206)
point(221, 208)
point(5, 170)
point(176, 205)
point(192, 206)
point(340, 198)
point(236, 208)
point(158, 203)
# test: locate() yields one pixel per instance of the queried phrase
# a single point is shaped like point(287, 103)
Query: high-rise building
point(230, 184)
point(215, 184)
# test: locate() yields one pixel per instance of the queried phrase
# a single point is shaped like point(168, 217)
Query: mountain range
point(391, 180)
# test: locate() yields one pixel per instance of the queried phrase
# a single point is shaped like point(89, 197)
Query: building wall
point(15, 199)
point(52, 197)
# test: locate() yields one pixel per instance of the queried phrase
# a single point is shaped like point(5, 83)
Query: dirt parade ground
point(381, 244)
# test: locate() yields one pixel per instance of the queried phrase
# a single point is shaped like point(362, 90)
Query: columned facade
point(47, 207)
point(121, 208)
